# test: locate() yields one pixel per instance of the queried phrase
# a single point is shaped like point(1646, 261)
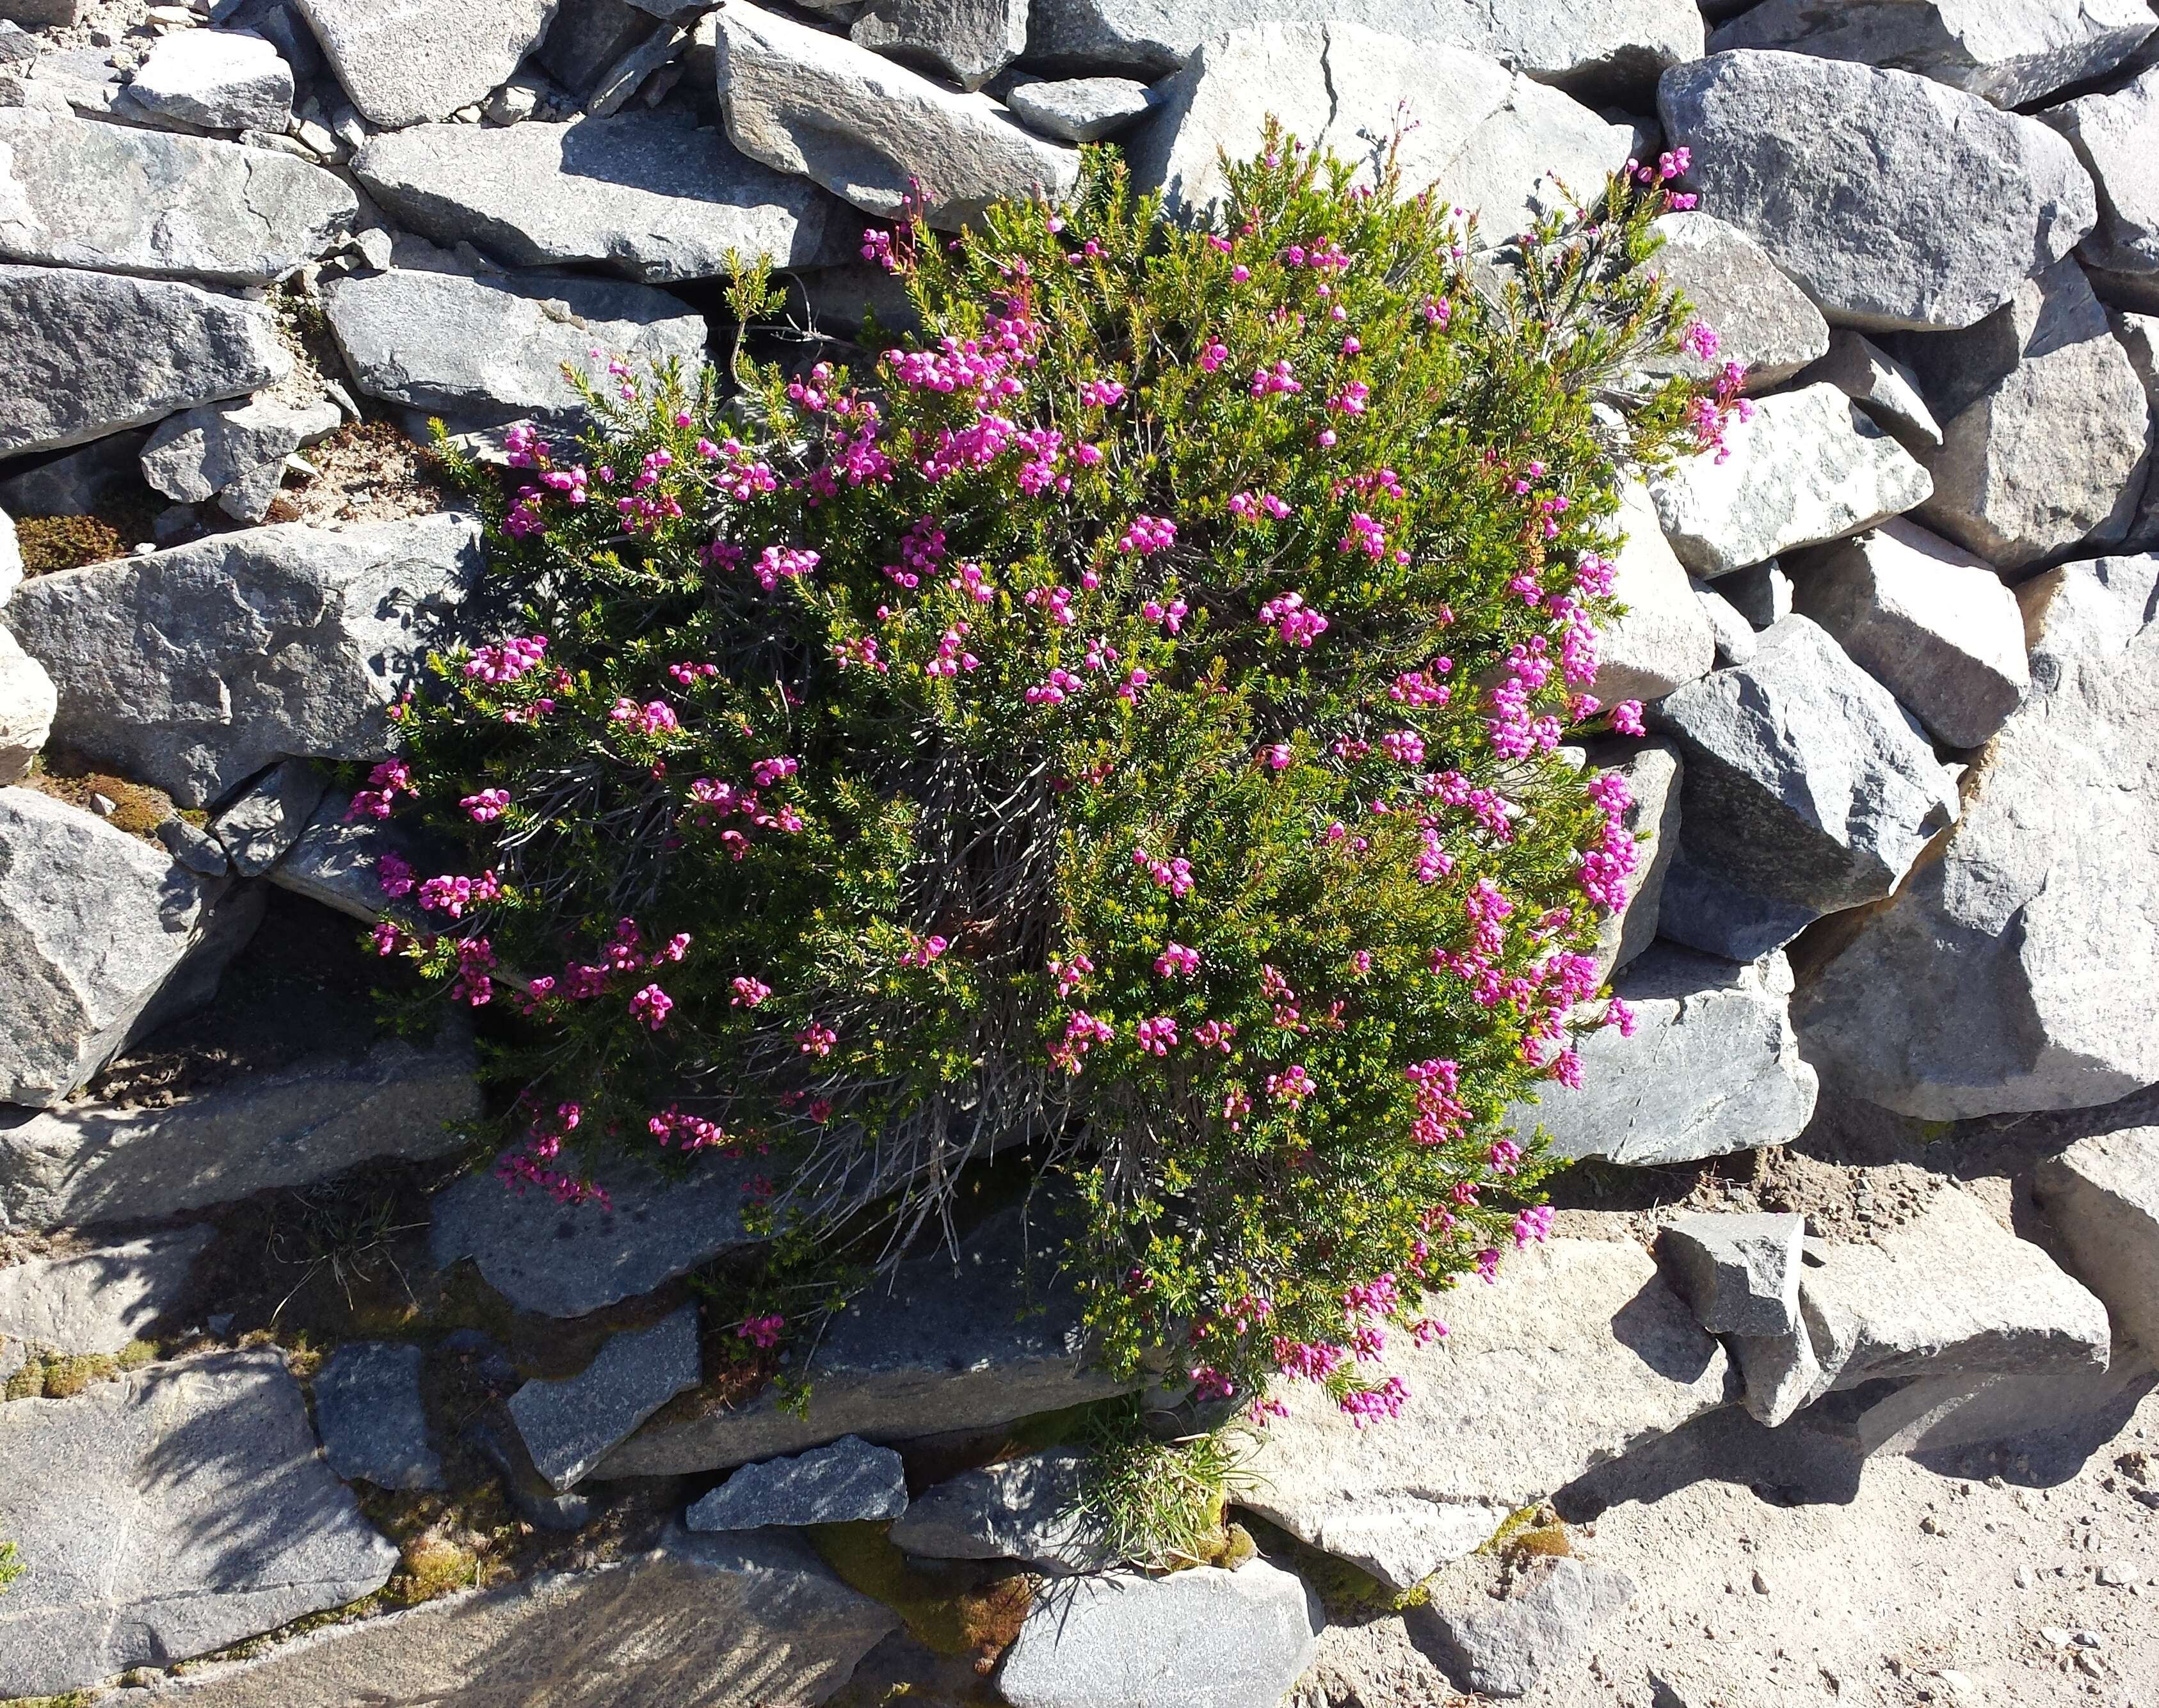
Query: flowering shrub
point(1123, 722)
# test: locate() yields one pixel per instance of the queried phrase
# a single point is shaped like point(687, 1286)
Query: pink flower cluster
point(1293, 622)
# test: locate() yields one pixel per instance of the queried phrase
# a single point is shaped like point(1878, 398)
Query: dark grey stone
point(372, 1419)
point(1741, 1273)
point(847, 1481)
point(569, 1427)
point(259, 829)
point(1024, 1509)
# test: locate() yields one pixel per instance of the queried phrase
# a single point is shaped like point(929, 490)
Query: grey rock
point(968, 41)
point(83, 354)
point(401, 64)
point(2103, 1194)
point(372, 1422)
point(946, 1348)
point(1937, 1415)
point(87, 1163)
point(100, 1300)
point(587, 38)
point(564, 1260)
point(535, 1499)
point(1024, 1509)
point(2114, 135)
point(1579, 1342)
point(193, 848)
point(1741, 1273)
point(1665, 639)
point(842, 1483)
point(235, 453)
point(1763, 595)
point(1892, 201)
point(1124, 1641)
point(1545, 1621)
point(11, 557)
point(36, 13)
point(1652, 771)
point(2013, 970)
point(93, 924)
point(1762, 320)
point(221, 80)
point(1490, 145)
point(1082, 109)
point(195, 668)
point(644, 65)
point(569, 1427)
point(1808, 467)
point(1882, 386)
point(27, 701)
point(336, 858)
point(805, 102)
point(1925, 619)
point(167, 1515)
point(1705, 909)
point(1780, 1372)
point(259, 829)
point(489, 349)
point(73, 484)
point(1732, 633)
point(77, 193)
point(647, 195)
point(1713, 1066)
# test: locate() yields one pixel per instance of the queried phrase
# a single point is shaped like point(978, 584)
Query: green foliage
point(11, 1568)
point(1156, 1502)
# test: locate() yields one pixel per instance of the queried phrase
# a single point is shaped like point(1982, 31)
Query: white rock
point(2103, 1194)
point(98, 1301)
point(2115, 136)
point(221, 80)
point(401, 62)
point(1882, 386)
point(1733, 634)
point(1501, 1647)
point(27, 701)
point(1665, 639)
point(1082, 109)
point(1762, 320)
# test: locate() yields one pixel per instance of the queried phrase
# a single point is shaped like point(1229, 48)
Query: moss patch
point(956, 1608)
point(53, 543)
point(138, 808)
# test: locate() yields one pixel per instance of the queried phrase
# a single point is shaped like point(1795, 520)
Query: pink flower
point(749, 993)
point(1626, 718)
point(1176, 959)
point(486, 806)
point(1102, 393)
point(816, 1039)
point(1157, 1034)
point(762, 1331)
point(651, 1005)
point(393, 876)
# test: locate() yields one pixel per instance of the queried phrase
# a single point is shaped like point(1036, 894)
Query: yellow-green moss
point(52, 543)
point(950, 1610)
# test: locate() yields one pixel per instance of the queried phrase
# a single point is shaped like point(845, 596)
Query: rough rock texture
point(335, 859)
point(647, 195)
point(946, 1348)
point(1201, 1638)
point(221, 80)
point(1652, 771)
point(1741, 1273)
point(1808, 467)
point(1665, 639)
point(1891, 200)
point(1887, 390)
point(488, 348)
point(1763, 595)
point(260, 828)
point(1780, 1372)
point(587, 38)
point(1016, 1509)
point(1713, 1066)
point(372, 1422)
point(2103, 1194)
point(88, 1163)
point(195, 668)
point(1548, 1616)
point(1485, 146)
point(167, 1515)
point(82, 194)
point(848, 1481)
point(1580, 1344)
point(1733, 634)
point(2014, 970)
point(803, 102)
point(1762, 320)
point(100, 1300)
point(1925, 619)
point(700, 1622)
point(2044, 426)
point(93, 924)
point(2114, 136)
point(968, 41)
point(564, 1260)
point(1082, 109)
point(83, 354)
point(2011, 52)
point(27, 701)
point(403, 62)
point(235, 453)
point(570, 1425)
point(1806, 784)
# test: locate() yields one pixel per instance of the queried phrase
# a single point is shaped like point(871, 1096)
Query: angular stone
point(82, 194)
point(2010, 52)
point(1741, 1273)
point(569, 1427)
point(1489, 146)
point(2014, 970)
point(259, 829)
point(946, 1348)
point(218, 79)
point(36, 13)
point(1780, 1371)
point(1763, 595)
point(2103, 1194)
point(1124, 1641)
point(805, 102)
point(1713, 1067)
point(1022, 1510)
point(1082, 109)
point(99, 1301)
point(1882, 386)
point(1733, 634)
point(1579, 1343)
point(27, 701)
point(195, 668)
point(1808, 467)
point(696, 1622)
point(235, 453)
point(1925, 619)
point(402, 62)
point(87, 1163)
point(1543, 1622)
point(2115, 136)
point(647, 195)
point(1652, 771)
point(1665, 641)
point(83, 354)
point(372, 1422)
point(1762, 320)
point(968, 41)
point(2007, 1414)
point(167, 1515)
point(1892, 201)
point(844, 1482)
point(489, 349)
point(589, 36)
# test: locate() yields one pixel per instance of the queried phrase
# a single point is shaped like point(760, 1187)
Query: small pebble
point(2022, 1578)
point(2115, 1574)
point(1761, 1584)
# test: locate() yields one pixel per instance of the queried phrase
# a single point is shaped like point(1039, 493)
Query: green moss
point(1532, 1530)
point(1351, 1595)
point(954, 1608)
point(53, 543)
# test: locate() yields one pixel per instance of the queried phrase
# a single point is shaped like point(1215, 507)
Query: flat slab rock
point(99, 1301)
point(2112, 134)
point(27, 701)
point(1549, 1616)
point(844, 1483)
point(1020, 1509)
point(2103, 1194)
point(168, 1514)
point(372, 1418)
point(402, 62)
point(570, 1425)
point(222, 80)
point(683, 1626)
point(1762, 320)
point(1581, 1344)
